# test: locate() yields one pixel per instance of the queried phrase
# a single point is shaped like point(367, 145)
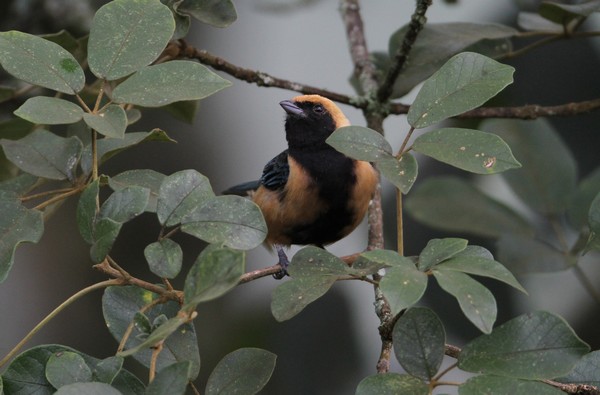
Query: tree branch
point(182, 49)
point(577, 389)
point(417, 21)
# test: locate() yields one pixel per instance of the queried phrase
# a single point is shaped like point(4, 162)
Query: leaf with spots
point(476, 301)
point(17, 225)
point(400, 172)
point(44, 154)
point(438, 250)
point(216, 271)
point(40, 62)
point(173, 81)
point(403, 284)
point(419, 342)
point(110, 122)
point(313, 272)
point(391, 384)
point(245, 371)
point(233, 220)
point(49, 111)
point(127, 35)
point(490, 384)
point(534, 346)
point(120, 306)
point(464, 82)
point(471, 150)
point(360, 143)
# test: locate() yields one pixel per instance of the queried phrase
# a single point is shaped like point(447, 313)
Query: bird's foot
point(283, 262)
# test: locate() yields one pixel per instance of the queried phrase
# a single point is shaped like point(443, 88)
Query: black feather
point(276, 172)
point(242, 189)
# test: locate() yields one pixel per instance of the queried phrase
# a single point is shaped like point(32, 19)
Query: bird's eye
point(318, 109)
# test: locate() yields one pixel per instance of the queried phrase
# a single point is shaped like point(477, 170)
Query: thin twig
point(155, 353)
point(131, 325)
point(417, 21)
point(182, 49)
point(57, 198)
point(578, 389)
point(55, 312)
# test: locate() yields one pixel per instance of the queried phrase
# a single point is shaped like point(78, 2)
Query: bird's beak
point(291, 108)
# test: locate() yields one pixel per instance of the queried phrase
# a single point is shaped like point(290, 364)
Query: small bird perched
point(310, 193)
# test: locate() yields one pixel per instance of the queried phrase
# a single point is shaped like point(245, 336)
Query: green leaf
point(466, 81)
point(17, 225)
point(182, 22)
point(180, 195)
point(49, 111)
point(594, 221)
point(86, 211)
point(580, 201)
point(533, 346)
point(360, 143)
point(87, 389)
point(111, 122)
point(125, 204)
point(105, 234)
point(452, 204)
point(65, 368)
point(585, 371)
point(184, 111)
point(146, 178)
point(159, 334)
point(403, 285)
point(245, 372)
point(120, 305)
point(26, 374)
point(481, 267)
point(172, 81)
point(127, 35)
point(219, 13)
point(438, 250)
point(232, 220)
point(20, 184)
point(371, 262)
point(108, 369)
point(419, 342)
point(532, 21)
point(313, 271)
point(475, 300)
point(543, 181)
point(172, 380)
point(128, 384)
point(488, 384)
point(526, 255)
point(391, 384)
point(108, 147)
point(44, 154)
point(467, 149)
point(565, 13)
point(437, 42)
point(40, 62)
point(216, 271)
point(400, 172)
point(164, 258)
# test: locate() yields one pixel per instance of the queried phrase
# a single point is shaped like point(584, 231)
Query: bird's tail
point(244, 189)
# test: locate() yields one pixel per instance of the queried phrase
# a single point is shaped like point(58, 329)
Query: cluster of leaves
point(153, 323)
point(126, 40)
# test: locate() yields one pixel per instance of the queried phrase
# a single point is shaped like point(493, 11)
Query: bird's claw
point(283, 262)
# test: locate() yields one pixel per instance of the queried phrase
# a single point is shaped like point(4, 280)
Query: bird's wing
point(276, 172)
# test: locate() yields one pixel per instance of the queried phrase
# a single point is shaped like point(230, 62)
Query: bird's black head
point(310, 120)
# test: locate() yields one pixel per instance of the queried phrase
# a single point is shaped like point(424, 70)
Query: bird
point(310, 194)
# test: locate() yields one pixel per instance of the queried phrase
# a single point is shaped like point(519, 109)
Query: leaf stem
point(155, 352)
point(58, 198)
point(44, 194)
point(443, 372)
point(55, 312)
